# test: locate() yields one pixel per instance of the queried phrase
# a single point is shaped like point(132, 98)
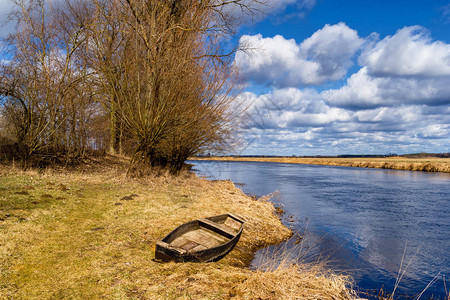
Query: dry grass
point(295, 282)
point(430, 164)
point(73, 235)
point(283, 276)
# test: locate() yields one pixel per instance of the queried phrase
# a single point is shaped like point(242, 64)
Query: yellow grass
point(71, 235)
point(430, 164)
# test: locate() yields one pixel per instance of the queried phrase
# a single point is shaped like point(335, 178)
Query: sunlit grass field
point(428, 164)
point(92, 234)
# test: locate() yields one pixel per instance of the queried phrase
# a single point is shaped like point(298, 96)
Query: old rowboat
point(201, 240)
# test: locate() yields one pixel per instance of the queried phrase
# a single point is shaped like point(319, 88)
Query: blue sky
point(344, 77)
point(338, 77)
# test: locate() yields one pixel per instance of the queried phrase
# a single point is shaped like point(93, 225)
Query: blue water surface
point(367, 223)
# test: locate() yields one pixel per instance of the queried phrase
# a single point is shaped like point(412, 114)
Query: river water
point(367, 223)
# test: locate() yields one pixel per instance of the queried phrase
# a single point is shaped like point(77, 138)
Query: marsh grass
point(430, 164)
point(284, 273)
point(90, 233)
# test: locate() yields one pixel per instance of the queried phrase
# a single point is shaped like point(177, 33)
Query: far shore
point(425, 164)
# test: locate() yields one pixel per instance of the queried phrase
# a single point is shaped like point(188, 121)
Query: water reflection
point(362, 220)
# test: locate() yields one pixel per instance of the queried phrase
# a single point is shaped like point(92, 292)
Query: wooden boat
point(201, 240)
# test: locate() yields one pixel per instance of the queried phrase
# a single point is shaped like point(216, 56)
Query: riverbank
point(92, 233)
point(429, 164)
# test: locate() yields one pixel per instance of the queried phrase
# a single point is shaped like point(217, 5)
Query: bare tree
point(38, 84)
point(167, 67)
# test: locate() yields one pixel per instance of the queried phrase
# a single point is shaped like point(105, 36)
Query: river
point(367, 223)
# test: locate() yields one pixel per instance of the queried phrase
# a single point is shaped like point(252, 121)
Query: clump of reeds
point(280, 276)
point(295, 281)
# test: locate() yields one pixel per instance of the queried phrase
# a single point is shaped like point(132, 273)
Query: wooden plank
point(203, 236)
point(186, 242)
point(218, 227)
point(188, 246)
point(233, 224)
point(200, 238)
point(239, 219)
point(198, 248)
point(178, 242)
point(164, 245)
point(217, 236)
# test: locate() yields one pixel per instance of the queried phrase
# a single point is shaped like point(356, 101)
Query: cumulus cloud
point(332, 47)
point(363, 90)
point(276, 61)
point(410, 52)
point(402, 114)
point(398, 101)
point(294, 121)
point(292, 108)
point(272, 60)
point(406, 68)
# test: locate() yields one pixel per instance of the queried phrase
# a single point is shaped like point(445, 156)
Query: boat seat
point(230, 233)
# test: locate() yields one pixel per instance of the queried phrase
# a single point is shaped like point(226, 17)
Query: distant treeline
point(420, 155)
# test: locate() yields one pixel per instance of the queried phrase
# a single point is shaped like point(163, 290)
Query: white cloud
point(410, 52)
point(293, 121)
point(363, 91)
point(406, 68)
point(292, 108)
point(332, 47)
point(275, 60)
point(325, 56)
point(436, 131)
point(398, 101)
point(402, 114)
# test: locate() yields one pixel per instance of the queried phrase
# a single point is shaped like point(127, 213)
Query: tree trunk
point(112, 128)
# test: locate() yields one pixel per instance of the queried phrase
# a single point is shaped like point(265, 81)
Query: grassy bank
point(91, 234)
point(430, 164)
